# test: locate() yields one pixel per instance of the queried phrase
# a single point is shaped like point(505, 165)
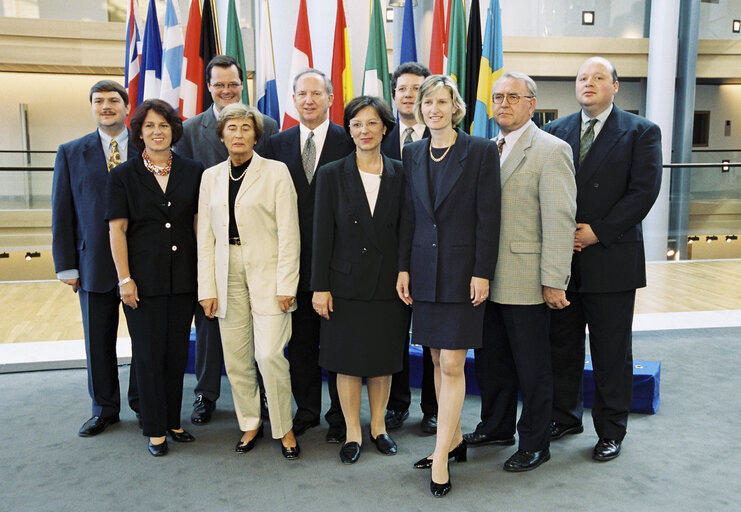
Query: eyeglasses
point(231, 85)
point(512, 98)
point(404, 89)
point(371, 125)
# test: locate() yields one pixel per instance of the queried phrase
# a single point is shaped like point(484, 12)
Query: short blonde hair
point(431, 84)
point(239, 111)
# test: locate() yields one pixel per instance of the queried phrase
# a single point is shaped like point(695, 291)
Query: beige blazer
point(536, 236)
point(267, 220)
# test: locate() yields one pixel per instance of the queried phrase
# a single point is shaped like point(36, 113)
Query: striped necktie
point(115, 157)
point(308, 157)
point(408, 135)
point(586, 140)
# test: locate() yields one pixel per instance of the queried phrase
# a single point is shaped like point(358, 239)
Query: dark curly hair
point(162, 108)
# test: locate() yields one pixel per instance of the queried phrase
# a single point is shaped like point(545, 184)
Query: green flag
point(376, 76)
point(234, 46)
point(457, 45)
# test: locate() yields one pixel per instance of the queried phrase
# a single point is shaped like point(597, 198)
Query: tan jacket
point(536, 237)
point(267, 220)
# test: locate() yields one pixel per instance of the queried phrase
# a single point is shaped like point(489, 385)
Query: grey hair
point(327, 81)
point(532, 89)
point(239, 111)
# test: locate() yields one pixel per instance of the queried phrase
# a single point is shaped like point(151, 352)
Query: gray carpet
point(682, 458)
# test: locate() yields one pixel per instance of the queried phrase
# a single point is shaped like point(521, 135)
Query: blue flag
point(150, 82)
point(492, 62)
point(408, 41)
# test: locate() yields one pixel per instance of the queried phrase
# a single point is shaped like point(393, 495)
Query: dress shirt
point(510, 140)
point(601, 118)
point(320, 135)
point(419, 131)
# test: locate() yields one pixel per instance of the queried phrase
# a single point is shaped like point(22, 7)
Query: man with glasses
point(533, 269)
point(617, 156)
point(201, 142)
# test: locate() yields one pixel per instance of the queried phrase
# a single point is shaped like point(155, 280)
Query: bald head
point(596, 85)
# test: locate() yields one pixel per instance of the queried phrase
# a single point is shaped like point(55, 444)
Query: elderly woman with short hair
point(248, 261)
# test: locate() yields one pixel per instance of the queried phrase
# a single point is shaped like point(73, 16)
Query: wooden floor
point(48, 311)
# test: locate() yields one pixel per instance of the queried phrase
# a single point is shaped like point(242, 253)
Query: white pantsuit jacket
point(267, 220)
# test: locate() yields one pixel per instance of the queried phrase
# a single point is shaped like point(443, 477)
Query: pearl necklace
point(229, 165)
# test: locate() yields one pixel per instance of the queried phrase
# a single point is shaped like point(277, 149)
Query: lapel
point(353, 184)
point(94, 157)
point(608, 136)
point(390, 145)
point(220, 190)
point(146, 179)
point(459, 153)
point(517, 154)
point(254, 171)
point(572, 135)
point(176, 174)
point(291, 148)
point(208, 131)
point(419, 173)
point(132, 151)
point(332, 144)
point(385, 203)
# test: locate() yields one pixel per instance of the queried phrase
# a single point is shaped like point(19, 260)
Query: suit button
point(434, 226)
point(168, 225)
point(363, 250)
point(355, 222)
point(434, 245)
point(174, 247)
point(169, 203)
point(596, 185)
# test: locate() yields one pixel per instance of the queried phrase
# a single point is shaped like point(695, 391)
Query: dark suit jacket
point(617, 184)
point(390, 143)
point(200, 141)
point(79, 230)
point(285, 147)
point(354, 253)
point(161, 236)
point(443, 245)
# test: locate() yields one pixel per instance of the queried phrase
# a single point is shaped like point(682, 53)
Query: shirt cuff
point(68, 274)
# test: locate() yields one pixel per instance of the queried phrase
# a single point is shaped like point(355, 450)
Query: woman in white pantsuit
point(248, 261)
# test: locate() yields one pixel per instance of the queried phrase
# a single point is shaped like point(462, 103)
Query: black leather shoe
point(245, 447)
point(202, 410)
point(158, 450)
point(440, 490)
point(459, 453)
point(429, 424)
point(395, 419)
point(606, 449)
point(350, 452)
point(524, 460)
point(291, 452)
point(180, 437)
point(384, 443)
point(335, 434)
point(96, 425)
point(474, 439)
point(299, 427)
point(558, 430)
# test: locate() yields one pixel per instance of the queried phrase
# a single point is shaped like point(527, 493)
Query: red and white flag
point(133, 54)
point(300, 60)
point(192, 80)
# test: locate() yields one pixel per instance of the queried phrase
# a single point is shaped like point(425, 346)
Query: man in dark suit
point(405, 83)
point(200, 142)
point(617, 156)
point(303, 148)
point(81, 247)
point(536, 238)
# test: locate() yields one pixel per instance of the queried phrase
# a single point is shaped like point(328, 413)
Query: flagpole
point(270, 32)
point(216, 27)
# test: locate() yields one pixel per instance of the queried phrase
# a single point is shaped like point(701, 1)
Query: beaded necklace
point(159, 171)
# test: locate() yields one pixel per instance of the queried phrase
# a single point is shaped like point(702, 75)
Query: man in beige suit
point(533, 270)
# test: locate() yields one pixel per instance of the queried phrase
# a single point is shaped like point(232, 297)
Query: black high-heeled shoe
point(249, 445)
point(440, 490)
point(459, 453)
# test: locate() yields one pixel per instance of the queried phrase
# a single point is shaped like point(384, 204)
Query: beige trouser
point(250, 338)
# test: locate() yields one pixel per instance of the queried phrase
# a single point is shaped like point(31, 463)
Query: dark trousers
point(160, 333)
point(209, 356)
point(306, 375)
point(516, 355)
point(100, 324)
point(401, 396)
point(609, 317)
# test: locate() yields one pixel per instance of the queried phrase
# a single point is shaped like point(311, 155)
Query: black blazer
point(161, 237)
point(443, 245)
point(617, 184)
point(79, 231)
point(286, 147)
point(390, 143)
point(355, 254)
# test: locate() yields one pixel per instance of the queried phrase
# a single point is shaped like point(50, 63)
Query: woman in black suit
point(151, 209)
point(449, 235)
point(355, 248)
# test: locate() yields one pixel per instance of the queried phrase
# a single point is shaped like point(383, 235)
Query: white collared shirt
point(320, 135)
point(122, 139)
point(510, 140)
point(601, 118)
point(419, 131)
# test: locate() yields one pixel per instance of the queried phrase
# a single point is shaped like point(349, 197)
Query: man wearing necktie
point(405, 83)
point(617, 156)
point(533, 269)
point(304, 148)
point(81, 247)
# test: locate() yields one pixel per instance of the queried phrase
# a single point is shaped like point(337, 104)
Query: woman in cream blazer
point(248, 271)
